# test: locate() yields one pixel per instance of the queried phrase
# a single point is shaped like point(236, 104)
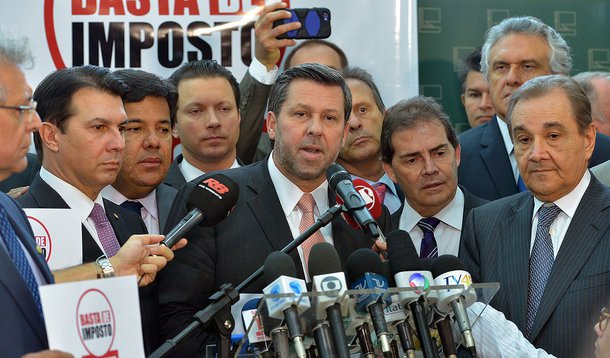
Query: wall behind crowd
point(449, 30)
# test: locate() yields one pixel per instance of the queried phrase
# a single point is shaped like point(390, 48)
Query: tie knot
point(547, 214)
point(428, 224)
point(307, 203)
point(134, 206)
point(97, 213)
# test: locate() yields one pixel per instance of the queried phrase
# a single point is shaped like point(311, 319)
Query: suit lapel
point(165, 196)
point(514, 253)
point(495, 159)
point(588, 226)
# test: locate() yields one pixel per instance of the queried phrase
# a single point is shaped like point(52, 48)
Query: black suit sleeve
point(469, 250)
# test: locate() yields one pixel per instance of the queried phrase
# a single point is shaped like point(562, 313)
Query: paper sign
point(58, 233)
point(96, 318)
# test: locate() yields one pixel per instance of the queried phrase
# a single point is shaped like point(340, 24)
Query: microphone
point(341, 182)
point(365, 271)
point(328, 278)
point(406, 266)
point(371, 199)
point(449, 270)
point(209, 203)
point(279, 270)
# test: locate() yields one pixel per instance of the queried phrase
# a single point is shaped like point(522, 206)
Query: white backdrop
point(378, 35)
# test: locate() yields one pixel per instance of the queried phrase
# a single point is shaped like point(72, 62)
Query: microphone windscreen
point(336, 174)
point(362, 261)
point(215, 195)
point(278, 264)
point(373, 203)
point(446, 263)
point(401, 252)
point(323, 259)
point(387, 273)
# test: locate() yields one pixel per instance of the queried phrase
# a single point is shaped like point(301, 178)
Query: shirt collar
point(290, 194)
point(149, 202)
point(569, 202)
point(452, 214)
point(75, 199)
point(508, 143)
point(190, 172)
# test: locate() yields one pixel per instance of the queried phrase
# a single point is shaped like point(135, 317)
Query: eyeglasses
point(604, 315)
point(24, 110)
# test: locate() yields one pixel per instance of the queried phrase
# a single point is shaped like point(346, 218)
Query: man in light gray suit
point(147, 156)
point(549, 247)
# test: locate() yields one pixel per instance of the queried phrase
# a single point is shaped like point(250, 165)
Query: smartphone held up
point(315, 23)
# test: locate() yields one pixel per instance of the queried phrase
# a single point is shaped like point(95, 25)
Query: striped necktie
point(428, 244)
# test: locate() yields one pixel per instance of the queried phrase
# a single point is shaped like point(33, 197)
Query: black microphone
point(341, 182)
point(365, 271)
point(449, 270)
point(406, 266)
point(209, 203)
point(280, 272)
point(328, 278)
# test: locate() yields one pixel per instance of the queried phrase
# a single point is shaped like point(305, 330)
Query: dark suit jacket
point(485, 169)
point(470, 202)
point(125, 223)
point(252, 110)
point(21, 327)
point(174, 177)
point(496, 248)
point(165, 198)
point(24, 178)
point(233, 249)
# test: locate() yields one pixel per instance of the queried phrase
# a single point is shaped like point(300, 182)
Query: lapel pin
point(115, 215)
point(39, 249)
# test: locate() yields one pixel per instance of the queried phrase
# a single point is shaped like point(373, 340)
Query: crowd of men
point(513, 197)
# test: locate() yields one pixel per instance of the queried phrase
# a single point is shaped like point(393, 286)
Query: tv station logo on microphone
point(367, 194)
point(96, 324)
point(419, 280)
point(331, 286)
point(43, 238)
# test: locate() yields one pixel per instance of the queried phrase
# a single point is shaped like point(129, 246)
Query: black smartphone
point(315, 23)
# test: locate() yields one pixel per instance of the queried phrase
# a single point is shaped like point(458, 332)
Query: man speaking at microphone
point(280, 197)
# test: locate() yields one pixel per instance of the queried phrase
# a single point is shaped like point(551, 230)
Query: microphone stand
point(218, 311)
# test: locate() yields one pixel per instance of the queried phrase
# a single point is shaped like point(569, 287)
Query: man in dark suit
point(420, 151)
point(308, 109)
point(550, 247)
point(206, 120)
point(362, 149)
point(139, 185)
point(81, 144)
point(514, 51)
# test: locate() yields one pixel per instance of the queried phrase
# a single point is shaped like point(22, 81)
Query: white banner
point(96, 318)
point(159, 35)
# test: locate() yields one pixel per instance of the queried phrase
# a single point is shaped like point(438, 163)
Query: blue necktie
point(133, 206)
point(428, 246)
point(16, 252)
point(521, 184)
point(541, 262)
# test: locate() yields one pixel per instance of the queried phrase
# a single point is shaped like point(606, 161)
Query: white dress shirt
point(149, 211)
point(289, 195)
point(259, 72)
point(447, 232)
point(76, 200)
point(190, 172)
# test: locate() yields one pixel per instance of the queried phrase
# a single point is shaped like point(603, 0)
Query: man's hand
point(266, 46)
point(380, 247)
point(48, 354)
point(142, 256)
point(17, 192)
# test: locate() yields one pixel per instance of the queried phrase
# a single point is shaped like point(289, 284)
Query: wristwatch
point(106, 267)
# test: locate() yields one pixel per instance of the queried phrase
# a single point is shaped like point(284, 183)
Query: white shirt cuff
point(259, 72)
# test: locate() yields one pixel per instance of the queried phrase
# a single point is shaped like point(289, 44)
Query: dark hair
point(316, 42)
point(143, 84)
point(204, 69)
point(359, 74)
point(471, 63)
point(407, 114)
point(317, 73)
point(543, 85)
point(54, 94)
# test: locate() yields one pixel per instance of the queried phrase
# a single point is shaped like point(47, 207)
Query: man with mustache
point(278, 197)
point(420, 151)
point(361, 153)
point(207, 120)
point(139, 185)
